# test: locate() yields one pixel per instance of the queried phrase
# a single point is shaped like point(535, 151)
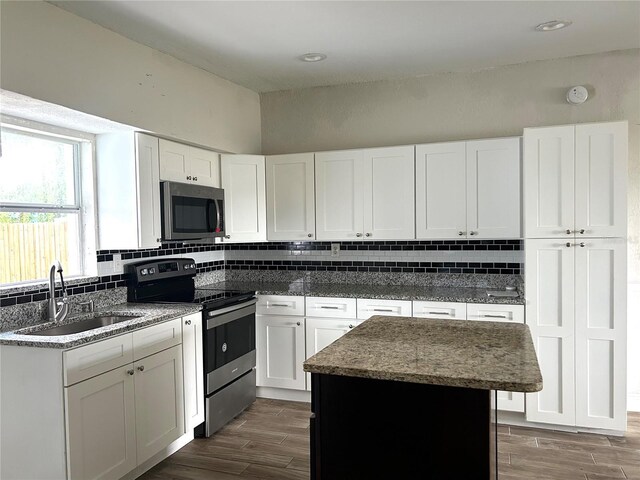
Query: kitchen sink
point(84, 325)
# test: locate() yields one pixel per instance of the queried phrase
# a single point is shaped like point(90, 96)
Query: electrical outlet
point(117, 263)
point(335, 249)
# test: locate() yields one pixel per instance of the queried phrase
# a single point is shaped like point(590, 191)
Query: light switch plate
point(335, 249)
point(117, 263)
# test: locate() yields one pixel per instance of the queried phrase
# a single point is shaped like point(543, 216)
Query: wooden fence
point(28, 249)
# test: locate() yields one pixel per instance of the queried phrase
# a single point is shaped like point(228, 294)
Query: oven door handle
point(229, 314)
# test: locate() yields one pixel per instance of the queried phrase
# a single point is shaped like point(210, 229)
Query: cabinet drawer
point(96, 358)
point(156, 338)
point(280, 305)
point(331, 307)
point(450, 310)
point(495, 313)
point(393, 308)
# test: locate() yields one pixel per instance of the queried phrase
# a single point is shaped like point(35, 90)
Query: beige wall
point(55, 56)
point(489, 103)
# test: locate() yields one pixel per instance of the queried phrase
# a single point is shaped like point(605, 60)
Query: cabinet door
point(339, 195)
point(601, 343)
point(441, 190)
point(548, 181)
point(291, 197)
point(507, 401)
point(148, 198)
point(280, 348)
point(101, 426)
point(549, 277)
point(322, 332)
point(193, 370)
point(159, 401)
point(204, 167)
point(174, 161)
point(389, 199)
point(493, 188)
point(601, 180)
point(243, 178)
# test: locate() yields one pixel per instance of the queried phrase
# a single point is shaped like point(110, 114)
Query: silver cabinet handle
point(367, 234)
point(298, 323)
point(382, 310)
point(568, 244)
point(141, 368)
point(309, 235)
point(279, 305)
point(188, 322)
point(568, 232)
point(494, 316)
point(350, 326)
point(440, 313)
point(473, 233)
point(582, 244)
point(195, 179)
point(358, 234)
point(188, 177)
point(227, 236)
point(129, 372)
point(461, 233)
point(582, 231)
point(327, 307)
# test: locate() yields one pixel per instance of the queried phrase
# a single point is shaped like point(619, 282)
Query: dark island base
point(380, 429)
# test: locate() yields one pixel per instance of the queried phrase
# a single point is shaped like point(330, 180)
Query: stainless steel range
point(229, 333)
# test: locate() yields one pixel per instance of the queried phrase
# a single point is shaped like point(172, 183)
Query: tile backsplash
point(444, 260)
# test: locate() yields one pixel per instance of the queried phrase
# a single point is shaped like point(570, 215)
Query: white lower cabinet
point(280, 351)
point(507, 401)
point(322, 332)
point(193, 367)
point(121, 418)
point(101, 426)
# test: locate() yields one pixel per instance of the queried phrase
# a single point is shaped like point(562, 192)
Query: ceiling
point(256, 44)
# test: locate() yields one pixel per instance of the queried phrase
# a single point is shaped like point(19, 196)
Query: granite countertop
point(147, 314)
point(482, 355)
point(387, 292)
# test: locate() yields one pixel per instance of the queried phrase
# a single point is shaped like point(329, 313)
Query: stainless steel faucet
point(58, 311)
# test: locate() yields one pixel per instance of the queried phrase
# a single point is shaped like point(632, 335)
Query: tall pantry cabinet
point(575, 271)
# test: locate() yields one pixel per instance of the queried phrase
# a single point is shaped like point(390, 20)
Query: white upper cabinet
point(441, 190)
point(601, 179)
point(339, 195)
point(575, 180)
point(468, 189)
point(186, 164)
point(365, 194)
point(389, 193)
point(128, 182)
point(243, 181)
point(291, 197)
point(493, 188)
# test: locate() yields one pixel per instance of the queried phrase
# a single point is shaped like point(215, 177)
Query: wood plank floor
point(270, 440)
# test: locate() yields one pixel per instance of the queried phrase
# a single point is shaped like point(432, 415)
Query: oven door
point(229, 344)
point(191, 212)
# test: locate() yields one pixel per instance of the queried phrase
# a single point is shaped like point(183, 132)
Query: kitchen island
point(401, 397)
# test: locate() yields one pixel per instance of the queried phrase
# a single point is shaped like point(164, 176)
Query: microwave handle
point(208, 215)
point(218, 214)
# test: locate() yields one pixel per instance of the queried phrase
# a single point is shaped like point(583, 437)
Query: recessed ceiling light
point(553, 25)
point(312, 57)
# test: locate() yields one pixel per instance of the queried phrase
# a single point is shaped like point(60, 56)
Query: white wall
point(55, 56)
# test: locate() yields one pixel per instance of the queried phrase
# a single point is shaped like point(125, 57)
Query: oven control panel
point(161, 269)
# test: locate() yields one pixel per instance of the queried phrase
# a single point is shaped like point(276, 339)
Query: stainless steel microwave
point(191, 212)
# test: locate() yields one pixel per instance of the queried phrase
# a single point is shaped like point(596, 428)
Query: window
point(40, 205)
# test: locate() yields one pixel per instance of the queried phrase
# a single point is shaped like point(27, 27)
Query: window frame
point(79, 142)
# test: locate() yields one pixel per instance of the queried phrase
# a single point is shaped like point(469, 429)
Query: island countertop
point(459, 353)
